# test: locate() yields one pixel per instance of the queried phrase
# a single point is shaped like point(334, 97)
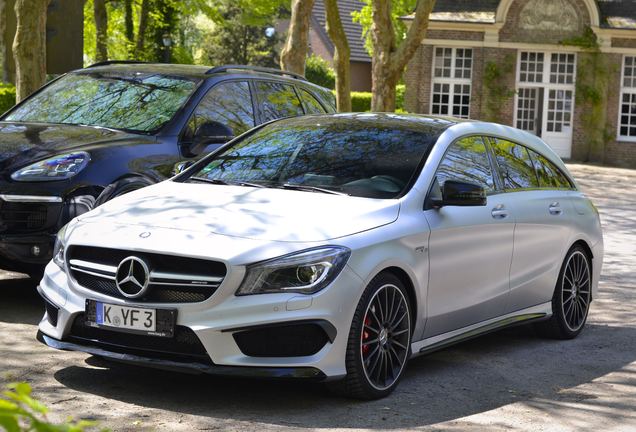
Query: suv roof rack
point(226, 68)
point(110, 62)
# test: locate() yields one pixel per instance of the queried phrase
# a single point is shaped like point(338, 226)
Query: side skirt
point(524, 316)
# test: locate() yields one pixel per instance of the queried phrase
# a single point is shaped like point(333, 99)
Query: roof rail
point(110, 62)
point(226, 68)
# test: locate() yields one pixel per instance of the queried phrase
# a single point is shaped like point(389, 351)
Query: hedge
point(320, 72)
point(361, 101)
point(7, 97)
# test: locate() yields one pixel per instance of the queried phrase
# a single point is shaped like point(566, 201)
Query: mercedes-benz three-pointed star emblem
point(132, 277)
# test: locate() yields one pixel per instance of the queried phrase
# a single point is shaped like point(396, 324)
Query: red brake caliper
point(365, 336)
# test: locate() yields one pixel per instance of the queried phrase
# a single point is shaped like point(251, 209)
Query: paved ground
point(511, 379)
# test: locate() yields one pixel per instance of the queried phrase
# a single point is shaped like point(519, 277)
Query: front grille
point(20, 216)
point(184, 346)
point(172, 279)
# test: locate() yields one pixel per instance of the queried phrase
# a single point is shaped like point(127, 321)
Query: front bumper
point(215, 322)
point(191, 367)
point(28, 225)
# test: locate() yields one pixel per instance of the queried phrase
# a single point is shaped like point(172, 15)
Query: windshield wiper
point(309, 188)
point(226, 182)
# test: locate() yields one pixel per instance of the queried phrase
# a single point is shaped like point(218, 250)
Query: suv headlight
point(59, 248)
point(305, 272)
point(56, 168)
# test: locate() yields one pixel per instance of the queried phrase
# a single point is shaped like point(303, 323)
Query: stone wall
point(544, 21)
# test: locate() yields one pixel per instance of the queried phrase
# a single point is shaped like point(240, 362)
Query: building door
point(545, 97)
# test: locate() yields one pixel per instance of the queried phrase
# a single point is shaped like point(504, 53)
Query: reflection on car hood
point(25, 143)
point(246, 212)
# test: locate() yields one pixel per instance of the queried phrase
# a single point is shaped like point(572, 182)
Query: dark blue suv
point(114, 127)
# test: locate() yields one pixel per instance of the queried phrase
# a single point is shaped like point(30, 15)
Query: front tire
point(572, 297)
point(379, 340)
point(120, 188)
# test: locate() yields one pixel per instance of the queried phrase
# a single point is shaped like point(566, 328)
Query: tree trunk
point(294, 53)
point(29, 46)
point(128, 21)
point(143, 25)
point(389, 60)
point(341, 56)
point(101, 30)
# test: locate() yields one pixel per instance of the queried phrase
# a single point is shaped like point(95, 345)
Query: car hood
point(25, 143)
point(246, 212)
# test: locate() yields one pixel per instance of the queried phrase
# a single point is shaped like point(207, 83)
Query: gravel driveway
point(510, 379)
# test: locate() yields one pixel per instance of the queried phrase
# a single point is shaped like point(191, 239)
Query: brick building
point(564, 70)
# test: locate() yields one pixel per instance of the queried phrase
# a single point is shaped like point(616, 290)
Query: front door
point(545, 97)
point(470, 248)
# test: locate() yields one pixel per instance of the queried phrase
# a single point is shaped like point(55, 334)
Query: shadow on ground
point(486, 373)
point(20, 302)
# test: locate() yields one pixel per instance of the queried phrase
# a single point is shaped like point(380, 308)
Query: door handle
point(499, 212)
point(555, 209)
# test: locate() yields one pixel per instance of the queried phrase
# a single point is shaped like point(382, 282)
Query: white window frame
point(545, 83)
point(452, 81)
point(624, 90)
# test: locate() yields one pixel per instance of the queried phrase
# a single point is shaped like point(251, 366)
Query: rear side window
point(467, 161)
point(515, 165)
point(277, 100)
point(229, 103)
point(312, 106)
point(550, 176)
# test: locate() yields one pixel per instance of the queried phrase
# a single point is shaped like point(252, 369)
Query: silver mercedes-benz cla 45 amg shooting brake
point(332, 247)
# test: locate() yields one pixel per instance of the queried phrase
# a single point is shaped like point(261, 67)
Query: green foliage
point(496, 90)
point(587, 40)
point(399, 8)
point(188, 22)
point(319, 71)
point(235, 40)
point(7, 97)
point(400, 89)
point(361, 101)
point(19, 412)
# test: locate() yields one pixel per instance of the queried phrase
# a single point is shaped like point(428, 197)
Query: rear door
point(538, 195)
point(470, 248)
point(277, 100)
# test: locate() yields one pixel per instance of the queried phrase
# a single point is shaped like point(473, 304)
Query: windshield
point(134, 101)
point(361, 155)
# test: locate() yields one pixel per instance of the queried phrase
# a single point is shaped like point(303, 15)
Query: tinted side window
point(467, 160)
point(515, 165)
point(229, 103)
point(550, 176)
point(277, 100)
point(312, 106)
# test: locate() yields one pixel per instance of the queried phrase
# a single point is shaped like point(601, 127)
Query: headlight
point(57, 168)
point(59, 248)
point(303, 272)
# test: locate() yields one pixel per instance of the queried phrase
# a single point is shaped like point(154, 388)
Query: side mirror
point(180, 167)
point(457, 193)
point(210, 132)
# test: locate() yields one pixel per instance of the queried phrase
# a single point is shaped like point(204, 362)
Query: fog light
point(35, 250)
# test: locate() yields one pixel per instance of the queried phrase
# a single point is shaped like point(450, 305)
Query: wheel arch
point(590, 254)
point(404, 277)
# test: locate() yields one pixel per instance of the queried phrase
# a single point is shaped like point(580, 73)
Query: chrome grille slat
point(95, 269)
point(88, 272)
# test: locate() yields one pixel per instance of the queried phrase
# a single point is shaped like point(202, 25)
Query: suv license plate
point(130, 319)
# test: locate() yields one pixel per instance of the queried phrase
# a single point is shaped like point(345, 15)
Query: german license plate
point(130, 319)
